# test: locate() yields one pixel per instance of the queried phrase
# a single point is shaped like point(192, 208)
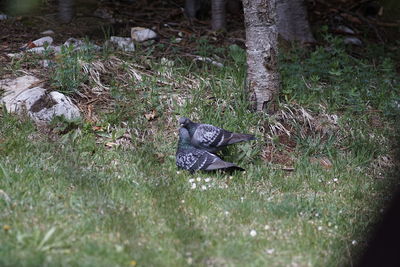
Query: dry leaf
point(111, 144)
point(97, 128)
point(151, 116)
point(324, 162)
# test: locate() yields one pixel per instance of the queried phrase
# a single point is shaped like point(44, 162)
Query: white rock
point(37, 50)
point(46, 63)
point(125, 43)
point(352, 41)
point(74, 42)
point(77, 44)
point(209, 60)
point(140, 34)
point(344, 29)
point(42, 41)
point(48, 32)
point(16, 55)
point(36, 102)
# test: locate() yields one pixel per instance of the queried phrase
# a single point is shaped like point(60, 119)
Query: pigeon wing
point(210, 137)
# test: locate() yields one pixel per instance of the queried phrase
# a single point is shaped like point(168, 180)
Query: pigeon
point(211, 138)
point(193, 159)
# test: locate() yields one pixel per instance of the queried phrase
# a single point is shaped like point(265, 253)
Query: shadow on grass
point(383, 248)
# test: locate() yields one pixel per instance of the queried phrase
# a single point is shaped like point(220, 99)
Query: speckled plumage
point(193, 159)
point(211, 138)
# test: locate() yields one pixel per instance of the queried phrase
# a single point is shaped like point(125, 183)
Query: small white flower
point(317, 214)
point(335, 180)
point(253, 233)
point(207, 180)
point(319, 228)
point(226, 186)
point(354, 242)
point(241, 199)
point(182, 201)
point(203, 187)
point(270, 251)
point(230, 177)
point(198, 179)
point(193, 186)
point(267, 227)
point(226, 212)
point(178, 172)
point(191, 180)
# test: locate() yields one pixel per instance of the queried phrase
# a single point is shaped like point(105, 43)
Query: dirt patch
point(44, 102)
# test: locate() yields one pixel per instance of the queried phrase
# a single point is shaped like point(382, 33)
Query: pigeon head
point(184, 121)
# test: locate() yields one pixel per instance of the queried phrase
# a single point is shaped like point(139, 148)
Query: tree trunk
point(191, 8)
point(218, 14)
point(66, 10)
point(292, 21)
point(263, 81)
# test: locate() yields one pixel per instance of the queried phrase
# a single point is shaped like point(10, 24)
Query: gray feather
point(211, 138)
point(193, 159)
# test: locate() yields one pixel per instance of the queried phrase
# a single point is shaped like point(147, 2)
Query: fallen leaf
point(324, 162)
point(151, 116)
point(97, 128)
point(111, 144)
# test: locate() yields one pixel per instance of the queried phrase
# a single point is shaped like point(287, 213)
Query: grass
point(105, 191)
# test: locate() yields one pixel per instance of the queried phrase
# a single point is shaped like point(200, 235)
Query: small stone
point(48, 32)
point(140, 34)
point(353, 41)
point(124, 43)
point(3, 16)
point(253, 233)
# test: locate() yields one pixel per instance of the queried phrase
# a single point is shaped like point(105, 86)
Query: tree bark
point(218, 12)
point(66, 10)
point(292, 21)
point(263, 81)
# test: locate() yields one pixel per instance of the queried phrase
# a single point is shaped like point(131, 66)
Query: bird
point(193, 159)
point(211, 138)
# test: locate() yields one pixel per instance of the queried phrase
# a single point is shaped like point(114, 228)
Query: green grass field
point(105, 191)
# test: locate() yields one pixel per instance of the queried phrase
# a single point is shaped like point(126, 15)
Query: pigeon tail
point(237, 138)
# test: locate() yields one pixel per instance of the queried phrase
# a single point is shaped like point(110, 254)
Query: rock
point(344, 29)
point(352, 41)
point(209, 60)
point(79, 44)
point(125, 43)
point(46, 63)
point(74, 42)
point(40, 105)
point(140, 34)
point(38, 43)
point(3, 16)
point(48, 32)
